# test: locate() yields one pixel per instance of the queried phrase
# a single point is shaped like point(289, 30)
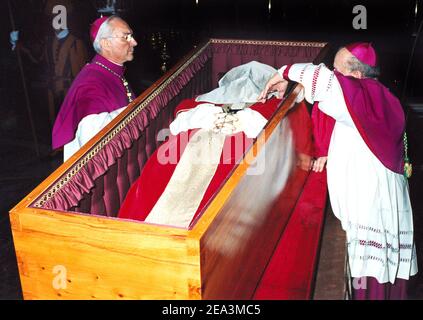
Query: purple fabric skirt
point(368, 288)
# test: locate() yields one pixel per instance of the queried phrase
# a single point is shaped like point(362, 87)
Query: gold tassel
point(408, 167)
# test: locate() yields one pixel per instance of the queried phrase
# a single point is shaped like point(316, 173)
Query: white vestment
point(88, 127)
point(371, 201)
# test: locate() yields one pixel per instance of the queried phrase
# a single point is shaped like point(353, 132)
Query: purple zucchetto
point(364, 52)
point(96, 26)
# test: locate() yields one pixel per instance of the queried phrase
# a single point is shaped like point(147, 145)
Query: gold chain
point(125, 83)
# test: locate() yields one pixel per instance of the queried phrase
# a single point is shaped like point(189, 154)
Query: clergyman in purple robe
point(100, 91)
point(364, 156)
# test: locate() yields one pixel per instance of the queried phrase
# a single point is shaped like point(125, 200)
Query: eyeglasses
point(128, 37)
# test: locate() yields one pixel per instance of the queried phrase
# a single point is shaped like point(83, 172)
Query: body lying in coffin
point(207, 139)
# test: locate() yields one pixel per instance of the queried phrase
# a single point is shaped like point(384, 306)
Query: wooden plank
point(103, 258)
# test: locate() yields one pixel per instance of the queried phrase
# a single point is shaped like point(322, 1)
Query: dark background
point(181, 25)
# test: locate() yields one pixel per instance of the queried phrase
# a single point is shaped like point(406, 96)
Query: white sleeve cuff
point(281, 71)
point(201, 117)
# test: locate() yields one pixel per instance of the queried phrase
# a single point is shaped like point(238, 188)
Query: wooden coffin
point(70, 245)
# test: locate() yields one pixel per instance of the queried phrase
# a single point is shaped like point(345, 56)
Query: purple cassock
point(377, 113)
point(378, 116)
point(94, 90)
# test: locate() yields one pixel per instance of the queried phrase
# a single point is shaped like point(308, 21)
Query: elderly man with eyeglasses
point(100, 91)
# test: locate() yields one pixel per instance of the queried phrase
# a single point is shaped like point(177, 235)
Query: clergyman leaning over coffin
point(365, 166)
point(100, 91)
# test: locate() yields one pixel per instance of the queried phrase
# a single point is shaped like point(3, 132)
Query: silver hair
point(367, 71)
point(105, 31)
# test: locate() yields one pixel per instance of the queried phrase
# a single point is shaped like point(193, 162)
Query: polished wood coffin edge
point(270, 42)
point(97, 221)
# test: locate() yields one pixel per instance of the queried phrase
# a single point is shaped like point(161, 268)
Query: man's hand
point(276, 83)
point(280, 87)
point(319, 164)
point(304, 161)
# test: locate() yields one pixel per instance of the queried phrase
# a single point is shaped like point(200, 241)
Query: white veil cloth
point(241, 84)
